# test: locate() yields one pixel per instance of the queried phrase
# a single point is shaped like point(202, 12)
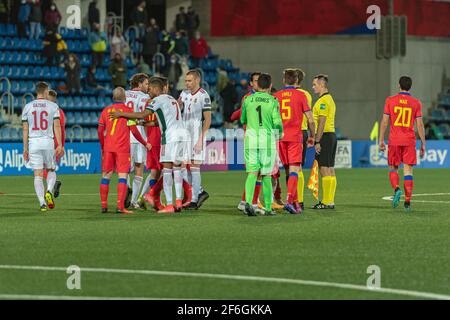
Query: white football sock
point(137, 184)
point(196, 183)
point(168, 184)
point(51, 180)
point(146, 187)
point(128, 182)
point(39, 188)
point(185, 175)
point(178, 183)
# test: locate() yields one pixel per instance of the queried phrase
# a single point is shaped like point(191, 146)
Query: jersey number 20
point(403, 117)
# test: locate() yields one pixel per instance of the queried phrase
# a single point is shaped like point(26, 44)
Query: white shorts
point(194, 134)
point(138, 153)
point(42, 159)
point(174, 152)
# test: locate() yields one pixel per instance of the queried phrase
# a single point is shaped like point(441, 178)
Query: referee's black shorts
point(328, 145)
point(305, 145)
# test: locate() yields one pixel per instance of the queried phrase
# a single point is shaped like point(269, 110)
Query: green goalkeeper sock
point(268, 192)
point(250, 187)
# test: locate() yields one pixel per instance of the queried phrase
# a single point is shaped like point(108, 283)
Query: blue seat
point(77, 134)
point(15, 87)
point(86, 119)
point(4, 132)
point(94, 118)
point(85, 104)
point(14, 135)
point(77, 103)
point(2, 57)
point(11, 30)
point(3, 72)
point(445, 130)
point(70, 119)
point(93, 103)
point(437, 114)
point(78, 117)
point(94, 134)
point(69, 103)
point(2, 29)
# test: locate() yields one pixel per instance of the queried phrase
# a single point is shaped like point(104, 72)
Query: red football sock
point(277, 192)
point(45, 173)
point(394, 178)
point(257, 191)
point(157, 188)
point(104, 190)
point(187, 191)
point(408, 185)
point(121, 193)
point(292, 187)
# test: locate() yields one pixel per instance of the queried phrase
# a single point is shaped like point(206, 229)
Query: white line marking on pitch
point(48, 297)
point(417, 294)
point(389, 198)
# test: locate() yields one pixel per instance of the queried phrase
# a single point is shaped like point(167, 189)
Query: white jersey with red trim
point(137, 100)
point(40, 115)
point(195, 104)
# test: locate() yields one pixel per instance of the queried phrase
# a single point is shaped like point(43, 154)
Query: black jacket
point(93, 14)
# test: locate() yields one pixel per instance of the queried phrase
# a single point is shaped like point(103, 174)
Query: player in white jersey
point(174, 141)
point(137, 98)
point(39, 119)
point(196, 105)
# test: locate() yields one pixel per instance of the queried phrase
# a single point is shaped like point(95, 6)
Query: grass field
point(200, 254)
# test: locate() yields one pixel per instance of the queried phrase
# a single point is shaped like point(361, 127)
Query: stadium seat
point(445, 130)
point(77, 103)
point(85, 104)
point(437, 114)
point(4, 134)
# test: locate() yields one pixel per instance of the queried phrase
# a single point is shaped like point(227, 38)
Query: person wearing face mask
point(118, 71)
point(52, 16)
point(73, 71)
point(199, 49)
point(35, 19)
point(173, 73)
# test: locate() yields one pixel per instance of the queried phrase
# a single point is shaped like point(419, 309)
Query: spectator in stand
point(4, 10)
point(167, 45)
point(93, 14)
point(199, 49)
point(118, 71)
point(73, 70)
point(23, 18)
point(193, 22)
point(35, 19)
point(50, 46)
point(230, 98)
point(181, 85)
point(118, 44)
point(181, 44)
point(99, 45)
point(140, 17)
point(150, 44)
point(244, 88)
point(181, 20)
point(61, 49)
point(143, 67)
point(52, 16)
point(222, 79)
point(173, 73)
point(91, 81)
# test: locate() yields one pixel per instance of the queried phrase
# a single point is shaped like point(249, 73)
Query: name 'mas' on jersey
point(40, 114)
point(260, 112)
point(137, 100)
point(403, 110)
point(195, 104)
point(117, 135)
point(309, 99)
point(293, 104)
point(169, 117)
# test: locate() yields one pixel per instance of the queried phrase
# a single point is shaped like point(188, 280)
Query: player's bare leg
point(104, 190)
point(51, 180)
point(395, 184)
point(168, 186)
point(408, 182)
point(122, 188)
point(137, 185)
point(39, 189)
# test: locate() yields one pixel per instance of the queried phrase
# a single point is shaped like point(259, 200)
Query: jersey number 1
point(259, 115)
point(43, 122)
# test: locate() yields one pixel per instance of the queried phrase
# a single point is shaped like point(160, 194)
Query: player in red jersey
point(52, 96)
point(293, 105)
point(401, 112)
point(114, 136)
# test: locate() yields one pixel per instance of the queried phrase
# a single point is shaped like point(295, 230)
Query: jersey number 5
point(43, 122)
point(403, 117)
point(285, 109)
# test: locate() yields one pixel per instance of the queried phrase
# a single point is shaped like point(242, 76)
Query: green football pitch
point(218, 253)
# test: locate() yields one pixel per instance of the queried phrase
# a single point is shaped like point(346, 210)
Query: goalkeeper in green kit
point(261, 115)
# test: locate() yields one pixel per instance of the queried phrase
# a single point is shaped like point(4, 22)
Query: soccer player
point(40, 121)
point(401, 112)
point(324, 112)
point(293, 105)
point(196, 105)
point(52, 96)
point(301, 179)
point(260, 113)
point(114, 137)
point(137, 99)
point(174, 142)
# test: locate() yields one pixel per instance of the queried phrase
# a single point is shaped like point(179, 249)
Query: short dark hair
point(53, 93)
point(195, 73)
point(41, 87)
point(301, 75)
point(181, 8)
point(164, 80)
point(137, 79)
point(323, 77)
point(405, 83)
point(254, 74)
point(264, 81)
point(290, 76)
point(155, 82)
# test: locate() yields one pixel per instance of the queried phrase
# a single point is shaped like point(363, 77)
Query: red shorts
point(291, 153)
point(402, 154)
point(153, 158)
point(121, 162)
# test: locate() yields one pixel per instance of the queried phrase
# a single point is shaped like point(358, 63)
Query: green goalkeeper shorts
point(262, 160)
